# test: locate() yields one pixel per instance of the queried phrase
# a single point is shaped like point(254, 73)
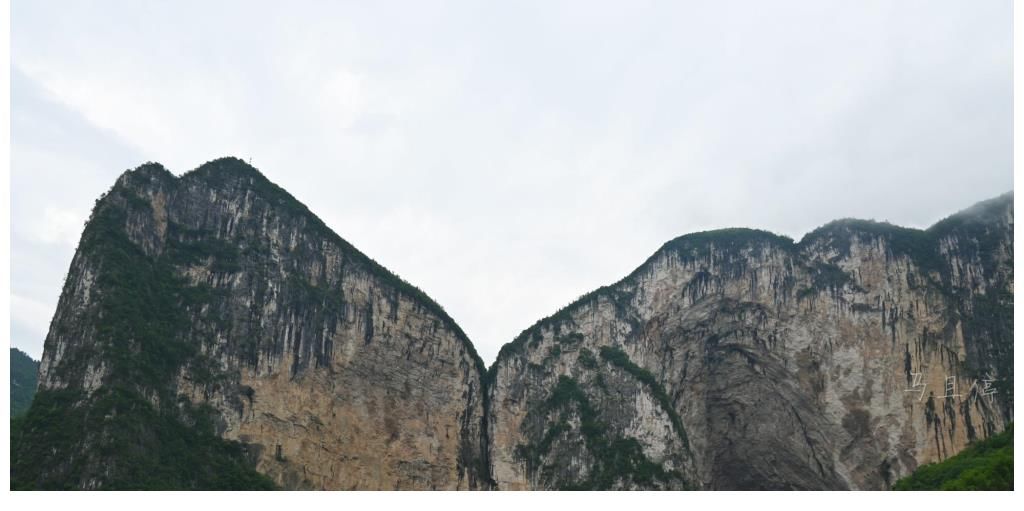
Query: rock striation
point(213, 333)
point(220, 290)
point(738, 359)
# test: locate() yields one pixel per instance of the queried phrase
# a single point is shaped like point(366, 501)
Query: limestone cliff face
point(840, 362)
point(332, 372)
point(214, 334)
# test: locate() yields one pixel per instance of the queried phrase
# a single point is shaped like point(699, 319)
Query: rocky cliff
point(213, 333)
point(738, 359)
point(217, 300)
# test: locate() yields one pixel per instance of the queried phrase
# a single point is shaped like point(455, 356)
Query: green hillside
point(985, 465)
point(23, 381)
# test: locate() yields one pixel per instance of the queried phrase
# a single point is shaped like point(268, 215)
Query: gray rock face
point(840, 362)
point(735, 359)
point(335, 373)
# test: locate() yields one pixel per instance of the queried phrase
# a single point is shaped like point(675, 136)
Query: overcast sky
point(507, 157)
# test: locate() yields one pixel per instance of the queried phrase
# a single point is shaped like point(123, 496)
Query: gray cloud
point(507, 158)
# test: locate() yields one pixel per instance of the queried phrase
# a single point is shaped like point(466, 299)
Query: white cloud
point(30, 319)
point(58, 225)
point(529, 152)
point(32, 313)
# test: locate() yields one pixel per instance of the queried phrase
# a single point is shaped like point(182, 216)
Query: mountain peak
point(213, 333)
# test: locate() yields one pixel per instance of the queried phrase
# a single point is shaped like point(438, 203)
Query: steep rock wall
point(332, 372)
point(844, 361)
point(211, 325)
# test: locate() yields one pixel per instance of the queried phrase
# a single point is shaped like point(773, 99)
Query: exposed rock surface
point(843, 361)
point(211, 325)
point(335, 373)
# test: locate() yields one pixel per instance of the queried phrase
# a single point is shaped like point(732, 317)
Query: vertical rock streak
point(218, 308)
point(333, 372)
point(842, 361)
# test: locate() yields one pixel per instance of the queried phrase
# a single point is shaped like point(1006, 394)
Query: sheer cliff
point(216, 305)
point(213, 333)
point(738, 359)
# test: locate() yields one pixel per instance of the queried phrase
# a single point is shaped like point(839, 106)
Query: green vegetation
point(620, 359)
point(914, 243)
point(689, 247)
point(616, 460)
point(586, 359)
point(984, 465)
point(983, 214)
point(143, 307)
point(223, 172)
point(920, 245)
point(990, 325)
point(133, 432)
point(23, 381)
point(224, 257)
point(988, 319)
point(553, 352)
point(861, 307)
point(119, 438)
point(332, 300)
point(827, 277)
point(699, 245)
point(570, 339)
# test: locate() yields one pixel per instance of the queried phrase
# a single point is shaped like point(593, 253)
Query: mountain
point(23, 381)
point(213, 333)
point(738, 359)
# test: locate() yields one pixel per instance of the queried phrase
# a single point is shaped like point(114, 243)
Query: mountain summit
point(213, 333)
point(211, 325)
